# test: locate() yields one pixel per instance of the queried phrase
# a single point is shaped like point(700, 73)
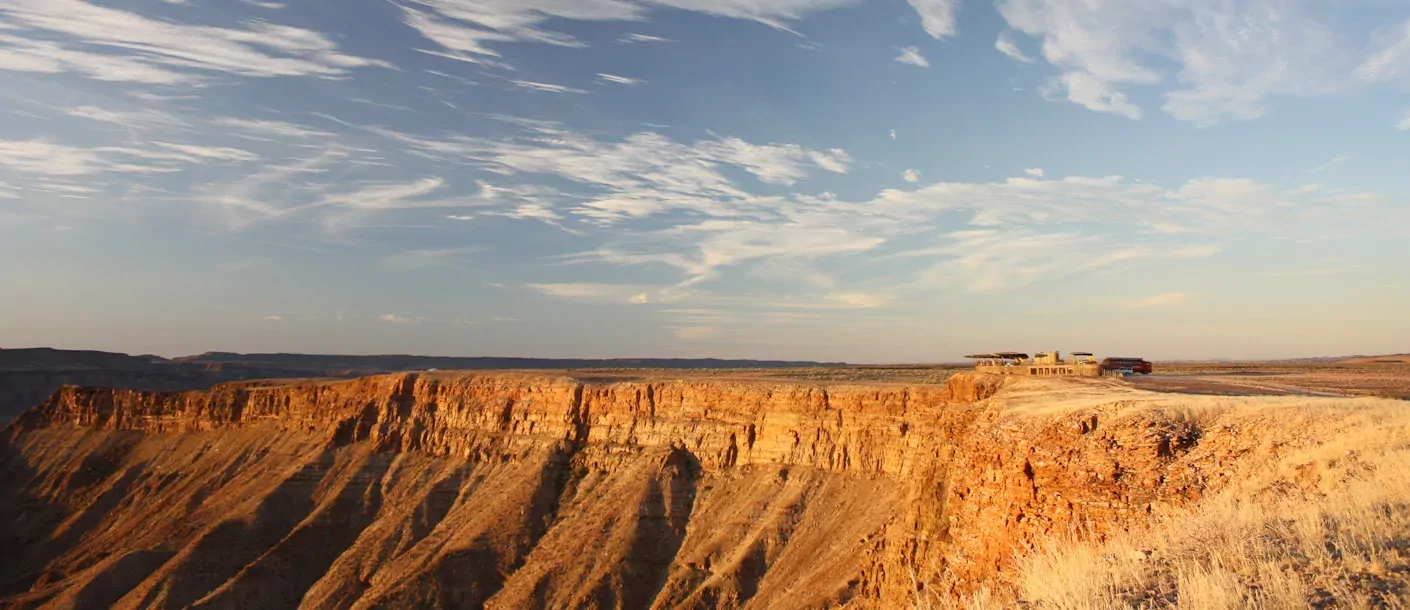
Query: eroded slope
point(509, 491)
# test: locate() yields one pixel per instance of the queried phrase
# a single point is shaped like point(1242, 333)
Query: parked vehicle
point(1127, 365)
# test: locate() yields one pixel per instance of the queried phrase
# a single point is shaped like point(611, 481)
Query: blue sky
point(870, 181)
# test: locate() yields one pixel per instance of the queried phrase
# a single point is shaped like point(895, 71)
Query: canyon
point(29, 375)
point(644, 490)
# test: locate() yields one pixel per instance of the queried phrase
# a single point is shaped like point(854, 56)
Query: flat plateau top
point(1230, 379)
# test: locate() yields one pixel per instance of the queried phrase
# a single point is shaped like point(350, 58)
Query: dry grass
point(1326, 526)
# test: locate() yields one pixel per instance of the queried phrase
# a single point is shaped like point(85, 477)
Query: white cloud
point(621, 80)
point(937, 17)
point(388, 196)
point(462, 43)
point(855, 300)
point(1404, 124)
point(911, 175)
point(774, 13)
point(644, 174)
point(546, 87)
point(160, 52)
point(536, 211)
point(912, 56)
point(695, 333)
point(23, 55)
point(1036, 172)
point(1006, 45)
point(1232, 55)
point(264, 5)
point(696, 210)
point(1162, 300)
point(636, 38)
point(703, 250)
point(398, 319)
point(213, 153)
point(1092, 92)
point(893, 134)
point(1390, 57)
point(271, 128)
point(466, 27)
point(272, 319)
point(132, 119)
point(1001, 259)
point(590, 292)
point(42, 157)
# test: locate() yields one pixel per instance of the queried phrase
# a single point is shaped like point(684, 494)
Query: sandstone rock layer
point(523, 491)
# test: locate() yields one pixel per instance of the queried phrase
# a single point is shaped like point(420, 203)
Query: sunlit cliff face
point(512, 490)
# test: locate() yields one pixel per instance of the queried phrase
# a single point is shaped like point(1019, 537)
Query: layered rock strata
point(513, 490)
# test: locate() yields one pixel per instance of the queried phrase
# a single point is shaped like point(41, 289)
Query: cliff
point(30, 375)
point(512, 490)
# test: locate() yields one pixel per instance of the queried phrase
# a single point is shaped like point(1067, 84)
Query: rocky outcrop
point(511, 490)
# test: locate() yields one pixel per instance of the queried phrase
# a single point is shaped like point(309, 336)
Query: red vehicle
point(1132, 365)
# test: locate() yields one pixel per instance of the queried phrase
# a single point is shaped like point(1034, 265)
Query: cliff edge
point(516, 490)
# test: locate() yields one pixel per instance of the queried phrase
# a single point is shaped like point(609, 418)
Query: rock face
point(515, 491)
point(29, 375)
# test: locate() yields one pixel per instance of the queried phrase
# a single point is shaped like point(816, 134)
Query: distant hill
point(400, 362)
point(48, 358)
point(1386, 359)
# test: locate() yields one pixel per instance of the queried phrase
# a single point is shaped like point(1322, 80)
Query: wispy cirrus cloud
point(468, 29)
point(620, 80)
point(546, 87)
point(1231, 58)
point(145, 118)
point(210, 153)
point(111, 44)
point(641, 175)
point(1389, 58)
point(634, 38)
point(696, 333)
point(43, 157)
point(1006, 44)
point(1013, 232)
point(274, 129)
point(912, 56)
point(1161, 300)
point(595, 292)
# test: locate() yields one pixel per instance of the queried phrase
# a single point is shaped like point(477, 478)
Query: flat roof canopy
point(1081, 353)
point(997, 356)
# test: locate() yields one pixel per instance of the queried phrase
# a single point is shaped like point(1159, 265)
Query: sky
point(840, 180)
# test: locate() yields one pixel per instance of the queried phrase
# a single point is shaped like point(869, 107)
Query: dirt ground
point(1389, 380)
